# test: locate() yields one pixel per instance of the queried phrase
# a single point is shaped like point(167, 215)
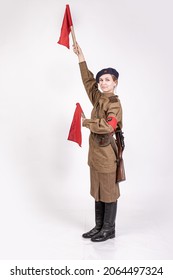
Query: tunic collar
point(108, 94)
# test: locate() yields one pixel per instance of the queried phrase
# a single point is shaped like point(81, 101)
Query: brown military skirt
point(103, 186)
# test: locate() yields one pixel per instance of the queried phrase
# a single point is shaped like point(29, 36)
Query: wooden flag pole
point(73, 37)
point(83, 115)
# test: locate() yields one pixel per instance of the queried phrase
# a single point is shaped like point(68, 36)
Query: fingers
point(83, 119)
point(76, 49)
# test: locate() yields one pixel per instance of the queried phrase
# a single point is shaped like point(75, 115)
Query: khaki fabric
point(103, 186)
point(102, 160)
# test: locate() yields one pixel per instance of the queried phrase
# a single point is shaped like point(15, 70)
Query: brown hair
point(115, 79)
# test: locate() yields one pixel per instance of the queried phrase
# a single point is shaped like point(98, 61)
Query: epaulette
point(113, 98)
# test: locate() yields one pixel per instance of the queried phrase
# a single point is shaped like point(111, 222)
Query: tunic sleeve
point(90, 83)
point(101, 125)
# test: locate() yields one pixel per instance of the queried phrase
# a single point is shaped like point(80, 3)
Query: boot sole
point(89, 235)
point(104, 239)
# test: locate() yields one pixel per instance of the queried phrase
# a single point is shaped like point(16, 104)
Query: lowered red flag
point(65, 29)
point(75, 134)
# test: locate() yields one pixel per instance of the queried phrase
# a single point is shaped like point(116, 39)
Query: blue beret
point(110, 71)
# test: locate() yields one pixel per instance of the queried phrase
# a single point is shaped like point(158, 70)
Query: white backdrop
point(40, 171)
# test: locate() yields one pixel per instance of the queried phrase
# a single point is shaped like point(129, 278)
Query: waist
point(102, 139)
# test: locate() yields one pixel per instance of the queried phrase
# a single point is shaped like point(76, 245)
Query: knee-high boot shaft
point(110, 215)
point(108, 228)
point(99, 216)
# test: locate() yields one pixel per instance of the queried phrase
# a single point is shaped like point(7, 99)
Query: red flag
point(75, 134)
point(65, 29)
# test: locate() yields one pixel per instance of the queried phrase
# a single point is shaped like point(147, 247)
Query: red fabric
point(65, 29)
point(75, 134)
point(112, 121)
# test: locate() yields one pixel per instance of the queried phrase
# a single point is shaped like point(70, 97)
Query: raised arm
point(88, 79)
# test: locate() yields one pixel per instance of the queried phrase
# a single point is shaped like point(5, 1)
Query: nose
point(103, 82)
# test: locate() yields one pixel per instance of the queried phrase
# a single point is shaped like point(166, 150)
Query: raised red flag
point(75, 134)
point(65, 29)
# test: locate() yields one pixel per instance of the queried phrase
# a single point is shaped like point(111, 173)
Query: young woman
point(106, 116)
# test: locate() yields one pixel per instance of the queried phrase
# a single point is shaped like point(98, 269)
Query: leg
point(108, 229)
point(99, 216)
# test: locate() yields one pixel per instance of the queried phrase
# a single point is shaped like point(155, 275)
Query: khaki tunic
point(102, 160)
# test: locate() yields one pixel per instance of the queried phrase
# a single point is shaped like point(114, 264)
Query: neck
point(108, 93)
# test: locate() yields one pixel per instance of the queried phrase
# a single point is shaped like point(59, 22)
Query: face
point(106, 83)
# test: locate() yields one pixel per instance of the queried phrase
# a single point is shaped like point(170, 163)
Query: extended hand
point(78, 51)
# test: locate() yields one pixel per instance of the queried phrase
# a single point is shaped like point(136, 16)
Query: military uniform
point(102, 160)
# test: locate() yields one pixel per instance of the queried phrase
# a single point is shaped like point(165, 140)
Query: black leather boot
point(108, 229)
point(99, 216)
